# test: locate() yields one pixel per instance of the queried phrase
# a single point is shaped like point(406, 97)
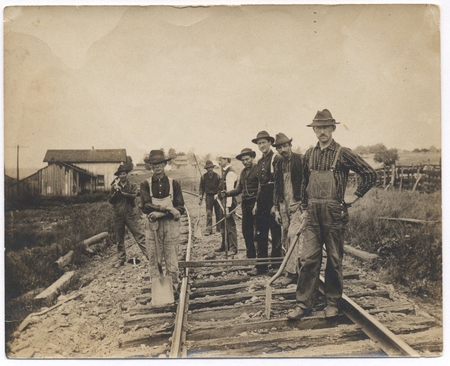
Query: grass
point(40, 237)
point(409, 254)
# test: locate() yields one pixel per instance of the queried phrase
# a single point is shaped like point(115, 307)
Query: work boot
point(233, 251)
point(331, 311)
point(298, 313)
point(288, 279)
point(218, 250)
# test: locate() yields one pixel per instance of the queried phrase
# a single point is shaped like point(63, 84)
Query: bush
point(410, 254)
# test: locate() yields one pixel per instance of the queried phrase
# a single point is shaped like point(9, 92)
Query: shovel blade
point(268, 300)
point(162, 291)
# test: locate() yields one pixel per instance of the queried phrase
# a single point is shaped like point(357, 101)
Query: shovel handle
point(158, 258)
point(288, 255)
point(223, 218)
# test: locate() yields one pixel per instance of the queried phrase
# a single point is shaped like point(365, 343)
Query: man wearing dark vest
point(265, 221)
point(290, 177)
point(122, 196)
point(228, 226)
point(209, 187)
point(326, 215)
point(162, 201)
point(248, 187)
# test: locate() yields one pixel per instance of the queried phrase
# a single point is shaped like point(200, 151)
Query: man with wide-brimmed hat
point(162, 202)
point(265, 221)
point(228, 226)
point(122, 196)
point(326, 215)
point(209, 187)
point(248, 187)
point(291, 176)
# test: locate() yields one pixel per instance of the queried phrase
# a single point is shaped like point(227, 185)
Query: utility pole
point(17, 165)
point(17, 168)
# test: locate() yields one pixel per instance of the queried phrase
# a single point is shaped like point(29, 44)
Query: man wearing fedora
point(228, 226)
point(326, 215)
point(209, 187)
point(290, 177)
point(162, 202)
point(122, 196)
point(248, 187)
point(265, 221)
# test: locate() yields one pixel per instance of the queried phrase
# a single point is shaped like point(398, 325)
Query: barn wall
point(56, 180)
point(29, 187)
point(105, 169)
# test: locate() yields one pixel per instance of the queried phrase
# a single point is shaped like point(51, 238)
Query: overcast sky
point(210, 78)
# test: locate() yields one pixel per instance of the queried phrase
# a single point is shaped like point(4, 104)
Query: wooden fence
point(421, 178)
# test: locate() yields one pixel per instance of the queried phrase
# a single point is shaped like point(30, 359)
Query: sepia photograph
point(222, 181)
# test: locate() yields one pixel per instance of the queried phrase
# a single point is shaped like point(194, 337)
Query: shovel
point(280, 270)
point(197, 230)
point(162, 290)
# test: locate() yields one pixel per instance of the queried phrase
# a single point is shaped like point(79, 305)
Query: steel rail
point(390, 343)
point(179, 327)
point(230, 262)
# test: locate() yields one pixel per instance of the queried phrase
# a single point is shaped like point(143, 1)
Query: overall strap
point(170, 188)
point(271, 163)
point(149, 180)
point(336, 158)
point(311, 158)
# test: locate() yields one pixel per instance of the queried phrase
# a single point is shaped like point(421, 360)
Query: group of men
point(298, 198)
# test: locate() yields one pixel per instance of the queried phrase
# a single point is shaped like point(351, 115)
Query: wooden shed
point(101, 164)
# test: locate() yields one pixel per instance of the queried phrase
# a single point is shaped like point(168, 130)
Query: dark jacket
point(247, 184)
point(161, 189)
point(299, 178)
point(209, 185)
point(123, 199)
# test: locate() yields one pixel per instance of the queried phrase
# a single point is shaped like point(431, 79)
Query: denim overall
point(326, 219)
point(168, 231)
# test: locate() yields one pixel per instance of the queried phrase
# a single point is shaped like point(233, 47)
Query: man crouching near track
point(162, 201)
point(326, 215)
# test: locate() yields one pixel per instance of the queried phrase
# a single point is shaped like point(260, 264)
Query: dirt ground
point(91, 326)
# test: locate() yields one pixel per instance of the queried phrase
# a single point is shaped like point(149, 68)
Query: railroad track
point(220, 312)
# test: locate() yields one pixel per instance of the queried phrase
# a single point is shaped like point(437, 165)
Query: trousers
point(129, 219)
point(290, 225)
point(248, 227)
point(211, 205)
point(168, 233)
point(265, 222)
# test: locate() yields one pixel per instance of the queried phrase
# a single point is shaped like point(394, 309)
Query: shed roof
point(86, 156)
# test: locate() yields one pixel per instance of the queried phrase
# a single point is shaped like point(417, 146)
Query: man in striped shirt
point(326, 215)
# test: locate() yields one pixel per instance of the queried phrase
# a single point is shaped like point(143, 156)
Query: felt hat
point(209, 164)
point(122, 168)
point(281, 139)
point(323, 118)
point(263, 135)
point(245, 152)
point(156, 157)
